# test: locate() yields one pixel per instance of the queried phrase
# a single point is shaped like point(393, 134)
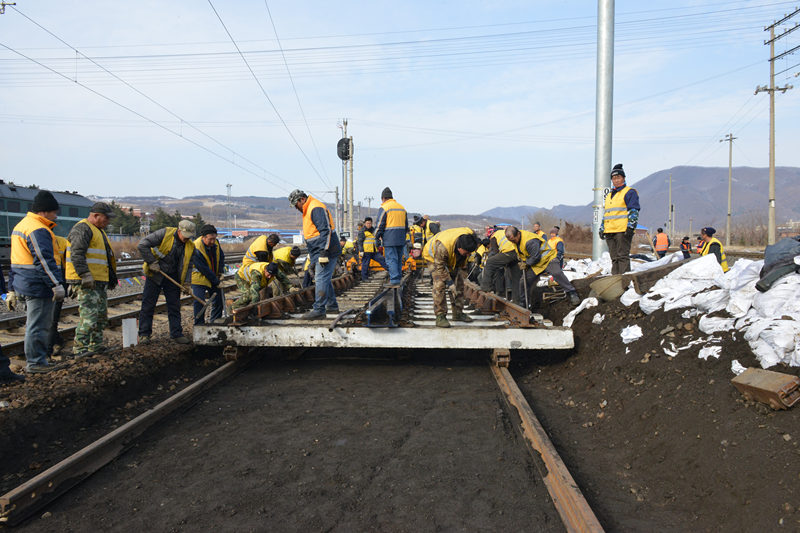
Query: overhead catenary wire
point(150, 99)
point(140, 115)
point(266, 95)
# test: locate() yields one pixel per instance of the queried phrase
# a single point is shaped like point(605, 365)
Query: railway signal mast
point(771, 90)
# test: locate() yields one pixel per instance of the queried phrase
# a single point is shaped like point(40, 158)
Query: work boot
point(332, 309)
point(183, 339)
point(313, 315)
point(42, 369)
point(144, 339)
point(461, 316)
point(441, 321)
point(10, 378)
point(574, 299)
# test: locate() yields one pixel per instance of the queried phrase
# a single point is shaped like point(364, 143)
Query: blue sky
point(457, 106)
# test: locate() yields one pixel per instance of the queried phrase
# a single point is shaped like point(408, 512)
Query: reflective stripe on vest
point(503, 244)
point(448, 238)
point(164, 248)
point(395, 214)
point(197, 277)
point(246, 273)
point(662, 242)
point(369, 241)
point(547, 252)
point(615, 216)
point(310, 231)
point(96, 256)
point(259, 245)
point(21, 256)
point(723, 260)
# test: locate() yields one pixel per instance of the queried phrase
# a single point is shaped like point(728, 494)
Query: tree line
point(125, 223)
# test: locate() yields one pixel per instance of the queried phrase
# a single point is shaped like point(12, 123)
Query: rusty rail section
point(288, 303)
point(567, 497)
point(490, 302)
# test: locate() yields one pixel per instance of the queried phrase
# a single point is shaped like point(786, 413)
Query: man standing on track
point(323, 250)
point(91, 271)
point(392, 230)
point(209, 264)
point(35, 277)
point(174, 249)
point(368, 244)
point(619, 221)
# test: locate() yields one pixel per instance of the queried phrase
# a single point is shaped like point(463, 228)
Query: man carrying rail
point(91, 272)
point(447, 251)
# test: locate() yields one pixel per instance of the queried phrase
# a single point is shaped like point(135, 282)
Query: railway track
point(376, 311)
point(128, 268)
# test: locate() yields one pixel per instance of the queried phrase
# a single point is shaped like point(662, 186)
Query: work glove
point(629, 232)
point(294, 289)
point(601, 233)
point(72, 291)
point(11, 301)
point(154, 268)
point(523, 265)
point(58, 293)
point(323, 260)
point(87, 281)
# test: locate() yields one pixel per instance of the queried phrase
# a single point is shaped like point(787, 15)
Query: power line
point(148, 119)
point(264, 92)
point(296, 95)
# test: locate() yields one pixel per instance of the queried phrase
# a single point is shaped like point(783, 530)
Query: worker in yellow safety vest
point(557, 243)
point(536, 256)
point(168, 250)
point(712, 245)
point(620, 217)
point(368, 244)
point(260, 250)
point(251, 280)
point(209, 265)
point(502, 258)
point(447, 251)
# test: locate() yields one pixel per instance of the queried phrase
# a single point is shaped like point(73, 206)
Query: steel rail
point(26, 499)
point(567, 497)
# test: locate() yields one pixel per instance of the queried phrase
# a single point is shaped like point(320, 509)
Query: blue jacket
point(327, 242)
point(36, 280)
point(202, 266)
point(392, 225)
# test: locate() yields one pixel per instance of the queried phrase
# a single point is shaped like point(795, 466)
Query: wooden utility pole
point(729, 137)
point(771, 90)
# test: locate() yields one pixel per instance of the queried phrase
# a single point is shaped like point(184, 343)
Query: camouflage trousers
point(441, 277)
point(93, 312)
point(249, 293)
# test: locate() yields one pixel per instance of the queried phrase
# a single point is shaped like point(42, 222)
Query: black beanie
point(617, 170)
point(272, 269)
point(387, 193)
point(44, 201)
point(295, 251)
point(207, 229)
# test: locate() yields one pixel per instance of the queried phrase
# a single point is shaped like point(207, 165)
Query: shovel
point(187, 291)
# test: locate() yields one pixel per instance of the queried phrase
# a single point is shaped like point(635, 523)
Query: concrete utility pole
point(603, 117)
point(729, 137)
point(369, 205)
point(771, 90)
point(228, 206)
point(336, 216)
point(669, 208)
point(345, 211)
point(351, 226)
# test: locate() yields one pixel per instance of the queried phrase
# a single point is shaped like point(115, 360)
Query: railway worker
point(391, 231)
point(209, 265)
point(348, 249)
point(447, 251)
point(557, 243)
point(711, 245)
point(661, 243)
point(168, 251)
point(620, 217)
point(368, 244)
point(502, 257)
point(55, 340)
point(284, 259)
point(35, 277)
point(91, 272)
point(686, 247)
point(537, 229)
point(537, 256)
point(7, 376)
point(261, 249)
point(251, 280)
point(323, 250)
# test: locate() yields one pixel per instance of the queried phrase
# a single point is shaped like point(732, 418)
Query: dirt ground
point(656, 441)
point(653, 441)
point(327, 445)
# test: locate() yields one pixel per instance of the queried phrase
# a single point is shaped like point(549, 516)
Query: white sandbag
point(736, 367)
point(709, 325)
point(585, 304)
point(667, 259)
point(709, 351)
point(631, 333)
point(710, 301)
point(630, 296)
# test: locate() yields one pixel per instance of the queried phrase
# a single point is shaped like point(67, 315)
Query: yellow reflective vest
point(61, 251)
point(448, 239)
point(96, 257)
point(503, 244)
point(258, 245)
point(246, 272)
point(615, 215)
point(197, 277)
point(164, 249)
point(547, 252)
point(723, 260)
point(369, 241)
point(283, 258)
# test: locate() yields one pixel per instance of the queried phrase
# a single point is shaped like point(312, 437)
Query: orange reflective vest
point(662, 242)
